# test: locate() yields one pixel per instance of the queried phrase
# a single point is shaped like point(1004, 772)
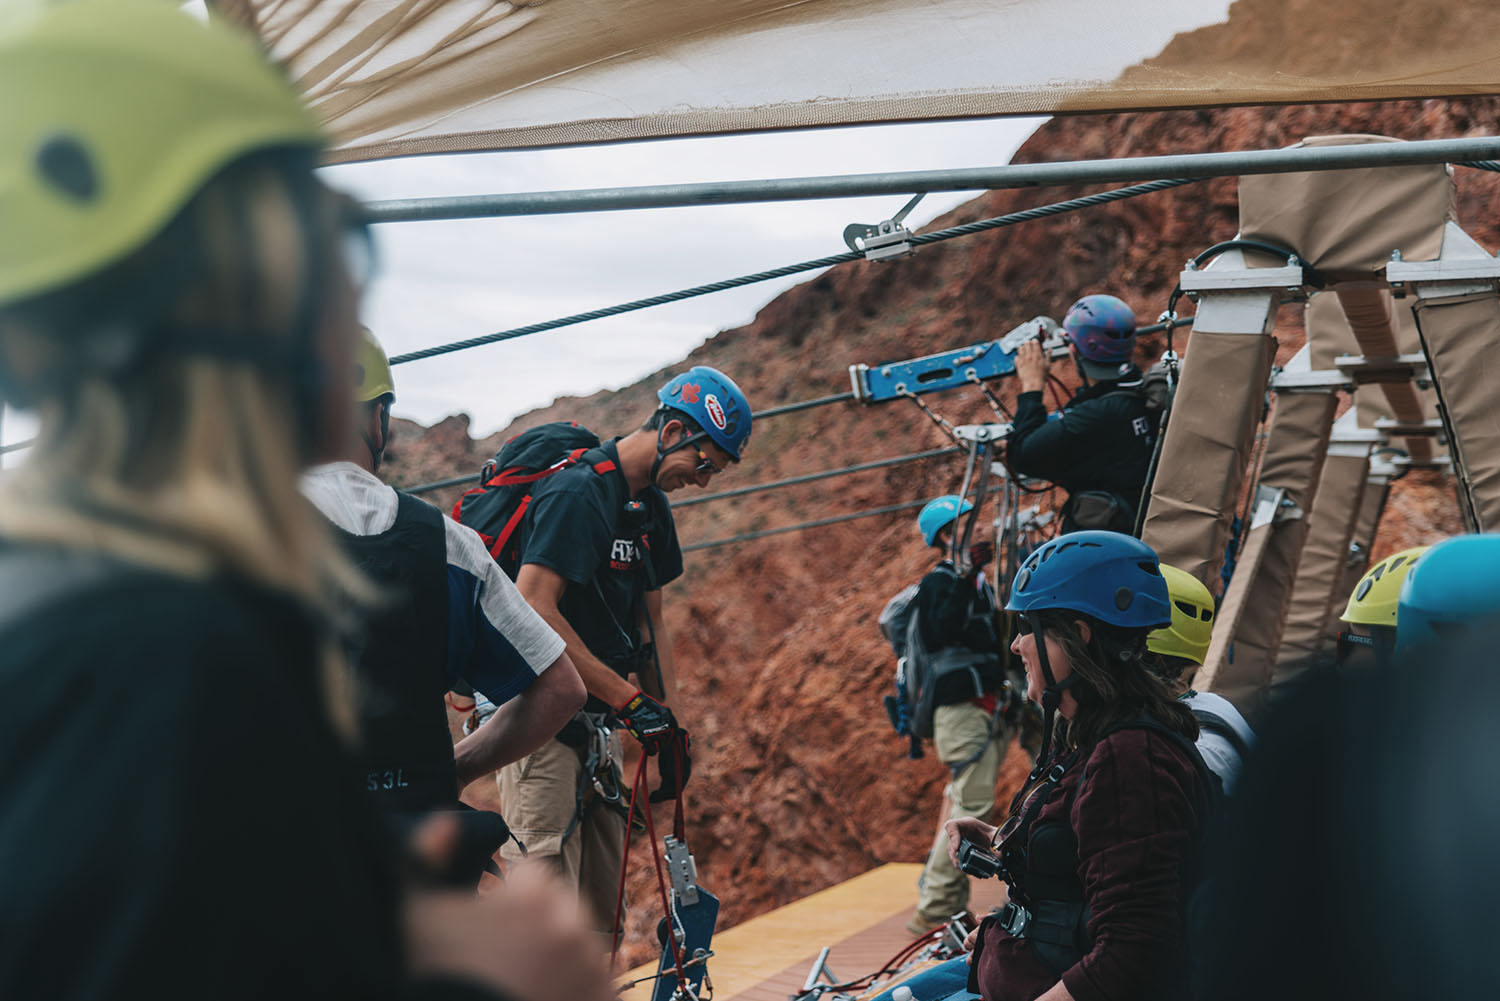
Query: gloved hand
point(648, 721)
point(675, 765)
point(981, 553)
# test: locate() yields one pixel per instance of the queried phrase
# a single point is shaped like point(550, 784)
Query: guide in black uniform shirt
point(578, 526)
point(597, 546)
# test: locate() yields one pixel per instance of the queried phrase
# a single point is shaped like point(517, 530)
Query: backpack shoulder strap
point(597, 459)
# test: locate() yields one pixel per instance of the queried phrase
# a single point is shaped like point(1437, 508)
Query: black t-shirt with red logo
point(578, 527)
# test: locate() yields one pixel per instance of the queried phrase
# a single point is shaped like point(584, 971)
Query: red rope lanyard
point(638, 795)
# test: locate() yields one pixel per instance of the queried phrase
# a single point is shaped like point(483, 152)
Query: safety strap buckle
point(1013, 919)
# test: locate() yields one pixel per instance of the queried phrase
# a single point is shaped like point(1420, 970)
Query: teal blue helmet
point(939, 513)
point(1454, 586)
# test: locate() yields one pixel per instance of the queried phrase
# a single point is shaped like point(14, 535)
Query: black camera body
point(976, 861)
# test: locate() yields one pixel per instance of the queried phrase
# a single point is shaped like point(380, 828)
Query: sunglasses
point(705, 464)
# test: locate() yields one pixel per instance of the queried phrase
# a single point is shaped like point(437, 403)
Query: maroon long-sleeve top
point(1136, 808)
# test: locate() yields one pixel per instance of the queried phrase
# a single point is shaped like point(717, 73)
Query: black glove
point(675, 765)
point(648, 721)
point(981, 553)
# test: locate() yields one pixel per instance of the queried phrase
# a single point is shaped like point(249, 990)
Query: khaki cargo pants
point(958, 732)
point(538, 796)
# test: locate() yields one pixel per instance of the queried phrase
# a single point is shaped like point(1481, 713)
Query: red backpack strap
point(510, 528)
point(458, 505)
point(517, 476)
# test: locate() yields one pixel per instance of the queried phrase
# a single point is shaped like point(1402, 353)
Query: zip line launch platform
point(767, 958)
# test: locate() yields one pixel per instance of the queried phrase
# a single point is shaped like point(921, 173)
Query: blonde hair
point(186, 461)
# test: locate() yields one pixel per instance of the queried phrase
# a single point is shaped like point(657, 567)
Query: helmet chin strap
point(378, 452)
point(662, 453)
point(1051, 695)
point(1083, 376)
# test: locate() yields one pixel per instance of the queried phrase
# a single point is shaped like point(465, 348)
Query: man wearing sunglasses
point(597, 544)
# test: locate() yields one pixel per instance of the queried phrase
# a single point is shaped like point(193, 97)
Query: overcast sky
point(444, 281)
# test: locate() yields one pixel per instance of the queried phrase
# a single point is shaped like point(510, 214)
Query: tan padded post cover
point(1231, 611)
point(1366, 524)
point(1330, 335)
point(1214, 418)
point(1462, 335)
point(1317, 594)
point(1350, 220)
point(1295, 452)
point(1372, 315)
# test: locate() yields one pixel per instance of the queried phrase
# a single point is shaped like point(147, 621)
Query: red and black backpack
point(495, 508)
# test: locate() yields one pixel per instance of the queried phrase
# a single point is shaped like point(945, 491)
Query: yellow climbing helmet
point(1374, 599)
point(118, 112)
point(1192, 618)
point(373, 375)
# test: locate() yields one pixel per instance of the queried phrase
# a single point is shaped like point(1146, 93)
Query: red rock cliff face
point(799, 781)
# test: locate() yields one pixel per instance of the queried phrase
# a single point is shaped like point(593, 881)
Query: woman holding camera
point(1100, 848)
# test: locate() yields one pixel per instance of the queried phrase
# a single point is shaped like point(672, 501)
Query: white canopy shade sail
point(401, 77)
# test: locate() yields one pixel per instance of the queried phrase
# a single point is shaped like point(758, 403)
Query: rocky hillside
point(799, 782)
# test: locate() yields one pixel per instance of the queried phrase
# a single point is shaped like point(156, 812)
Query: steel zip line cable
point(792, 408)
point(819, 523)
point(452, 481)
point(1027, 215)
point(753, 488)
point(793, 481)
point(967, 229)
point(785, 408)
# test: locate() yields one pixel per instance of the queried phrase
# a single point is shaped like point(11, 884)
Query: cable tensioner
point(884, 241)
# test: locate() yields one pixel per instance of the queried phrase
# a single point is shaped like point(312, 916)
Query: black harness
point(1047, 905)
point(406, 752)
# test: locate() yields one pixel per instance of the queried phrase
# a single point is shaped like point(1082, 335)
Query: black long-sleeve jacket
point(1102, 441)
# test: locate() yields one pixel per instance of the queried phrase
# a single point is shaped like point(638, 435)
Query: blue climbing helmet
point(1101, 329)
point(1455, 585)
point(939, 513)
point(714, 403)
point(1112, 577)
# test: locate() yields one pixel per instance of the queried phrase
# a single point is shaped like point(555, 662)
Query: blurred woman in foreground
point(177, 305)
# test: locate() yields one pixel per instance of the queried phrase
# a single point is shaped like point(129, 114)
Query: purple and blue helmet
point(1101, 329)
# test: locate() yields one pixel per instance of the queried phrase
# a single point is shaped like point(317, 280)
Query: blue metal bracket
point(695, 913)
point(951, 369)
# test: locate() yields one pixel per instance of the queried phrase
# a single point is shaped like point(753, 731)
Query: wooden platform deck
point(768, 958)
